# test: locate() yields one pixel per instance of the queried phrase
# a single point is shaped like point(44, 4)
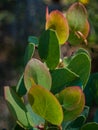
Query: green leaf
point(37, 72)
point(70, 97)
point(33, 118)
point(74, 39)
point(82, 50)
point(20, 89)
point(29, 53)
point(73, 101)
point(16, 107)
point(76, 16)
point(48, 48)
point(79, 36)
point(34, 40)
point(45, 105)
point(61, 78)
point(75, 124)
point(78, 122)
point(90, 126)
point(80, 63)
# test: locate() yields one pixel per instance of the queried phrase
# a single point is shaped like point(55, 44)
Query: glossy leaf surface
point(33, 118)
point(16, 107)
point(45, 104)
point(20, 88)
point(56, 21)
point(61, 78)
point(73, 101)
point(75, 124)
point(78, 37)
point(37, 73)
point(48, 48)
point(70, 97)
point(76, 16)
point(80, 63)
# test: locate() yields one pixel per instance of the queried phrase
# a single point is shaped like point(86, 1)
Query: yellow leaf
point(58, 22)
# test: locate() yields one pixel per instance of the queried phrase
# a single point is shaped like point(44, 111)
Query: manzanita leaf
point(37, 73)
point(29, 52)
point(20, 88)
point(76, 16)
point(82, 50)
point(78, 122)
point(70, 97)
point(16, 107)
point(73, 101)
point(75, 124)
point(82, 62)
point(45, 105)
point(56, 21)
point(48, 48)
point(33, 118)
point(74, 39)
point(61, 78)
point(90, 126)
point(78, 37)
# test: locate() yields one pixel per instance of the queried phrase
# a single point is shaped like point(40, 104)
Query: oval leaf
point(48, 48)
point(73, 101)
point(56, 21)
point(37, 72)
point(70, 97)
point(16, 107)
point(45, 104)
point(81, 61)
point(76, 16)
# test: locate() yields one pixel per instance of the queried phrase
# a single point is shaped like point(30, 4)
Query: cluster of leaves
point(53, 86)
